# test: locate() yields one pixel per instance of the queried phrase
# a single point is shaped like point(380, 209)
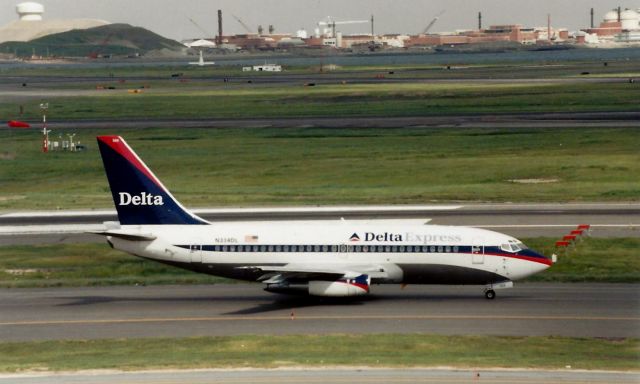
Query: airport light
point(45, 131)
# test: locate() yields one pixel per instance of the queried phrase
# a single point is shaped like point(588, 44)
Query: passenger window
point(455, 249)
point(270, 248)
point(432, 249)
point(334, 248)
point(447, 249)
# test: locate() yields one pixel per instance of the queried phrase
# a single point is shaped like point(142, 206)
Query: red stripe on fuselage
point(118, 144)
point(521, 257)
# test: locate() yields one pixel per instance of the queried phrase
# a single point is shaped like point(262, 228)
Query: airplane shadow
point(256, 304)
point(295, 302)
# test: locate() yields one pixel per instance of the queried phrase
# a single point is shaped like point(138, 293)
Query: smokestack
point(549, 26)
point(479, 20)
point(592, 18)
point(372, 26)
point(619, 14)
point(219, 26)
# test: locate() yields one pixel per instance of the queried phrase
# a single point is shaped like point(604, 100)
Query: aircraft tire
point(490, 294)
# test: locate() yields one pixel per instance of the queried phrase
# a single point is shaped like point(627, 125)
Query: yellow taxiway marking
point(299, 317)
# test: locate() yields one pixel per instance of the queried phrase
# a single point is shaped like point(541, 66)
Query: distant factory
point(619, 27)
point(32, 25)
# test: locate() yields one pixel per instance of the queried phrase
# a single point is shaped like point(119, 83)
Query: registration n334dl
point(341, 259)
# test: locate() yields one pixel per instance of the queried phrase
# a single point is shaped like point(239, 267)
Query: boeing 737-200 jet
point(342, 259)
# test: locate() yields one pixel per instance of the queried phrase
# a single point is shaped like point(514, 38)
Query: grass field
point(235, 100)
point(296, 166)
point(384, 350)
point(201, 92)
point(591, 260)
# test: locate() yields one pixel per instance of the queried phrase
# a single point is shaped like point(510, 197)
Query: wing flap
point(273, 273)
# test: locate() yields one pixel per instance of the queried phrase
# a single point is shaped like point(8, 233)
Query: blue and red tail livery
point(139, 196)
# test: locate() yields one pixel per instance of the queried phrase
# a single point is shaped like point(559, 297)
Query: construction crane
point(428, 27)
point(206, 33)
point(330, 23)
point(246, 28)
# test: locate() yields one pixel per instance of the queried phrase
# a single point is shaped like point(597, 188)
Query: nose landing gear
point(489, 292)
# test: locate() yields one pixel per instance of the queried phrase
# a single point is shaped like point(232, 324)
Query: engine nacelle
point(346, 287)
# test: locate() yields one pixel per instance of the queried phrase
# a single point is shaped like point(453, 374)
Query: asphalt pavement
point(328, 375)
point(533, 309)
point(609, 220)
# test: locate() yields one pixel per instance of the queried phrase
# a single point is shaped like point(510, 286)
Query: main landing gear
point(489, 292)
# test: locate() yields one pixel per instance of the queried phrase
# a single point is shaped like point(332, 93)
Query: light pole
point(45, 131)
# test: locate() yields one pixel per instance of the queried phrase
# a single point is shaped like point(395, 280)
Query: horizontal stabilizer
point(126, 235)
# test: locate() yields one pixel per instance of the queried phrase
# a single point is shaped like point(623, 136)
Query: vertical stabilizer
point(139, 197)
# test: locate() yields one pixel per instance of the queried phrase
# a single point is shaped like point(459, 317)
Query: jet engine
point(344, 287)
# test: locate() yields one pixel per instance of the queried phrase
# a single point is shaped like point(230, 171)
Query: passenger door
point(195, 251)
point(477, 252)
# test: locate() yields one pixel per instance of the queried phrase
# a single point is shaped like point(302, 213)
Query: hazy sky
point(171, 18)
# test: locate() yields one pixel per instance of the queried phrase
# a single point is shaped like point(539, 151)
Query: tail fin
point(139, 196)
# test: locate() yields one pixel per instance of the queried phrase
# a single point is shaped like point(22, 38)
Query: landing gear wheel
point(490, 294)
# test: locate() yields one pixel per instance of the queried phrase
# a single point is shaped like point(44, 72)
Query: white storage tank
point(629, 19)
point(30, 11)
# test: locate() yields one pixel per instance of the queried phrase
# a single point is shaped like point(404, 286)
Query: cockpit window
point(512, 246)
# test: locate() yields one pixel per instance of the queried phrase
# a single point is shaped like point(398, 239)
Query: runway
point(503, 121)
point(520, 220)
point(328, 375)
point(574, 310)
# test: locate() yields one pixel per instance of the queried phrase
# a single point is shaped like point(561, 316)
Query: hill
point(112, 39)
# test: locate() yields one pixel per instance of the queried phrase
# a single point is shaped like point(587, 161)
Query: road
point(329, 376)
point(574, 310)
point(509, 120)
point(519, 220)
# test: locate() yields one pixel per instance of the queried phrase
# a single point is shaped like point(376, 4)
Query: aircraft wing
point(306, 272)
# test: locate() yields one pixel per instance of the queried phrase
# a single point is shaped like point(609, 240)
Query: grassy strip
point(386, 350)
point(86, 265)
point(592, 260)
point(205, 167)
point(293, 100)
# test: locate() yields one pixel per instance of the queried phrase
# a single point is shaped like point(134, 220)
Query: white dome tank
point(629, 19)
point(30, 11)
point(611, 16)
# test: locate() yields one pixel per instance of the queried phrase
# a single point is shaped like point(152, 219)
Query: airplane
point(201, 61)
point(336, 260)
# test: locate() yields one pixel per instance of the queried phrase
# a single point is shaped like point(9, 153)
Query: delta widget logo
point(354, 237)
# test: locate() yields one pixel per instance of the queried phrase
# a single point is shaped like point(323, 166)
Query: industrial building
point(617, 26)
point(31, 24)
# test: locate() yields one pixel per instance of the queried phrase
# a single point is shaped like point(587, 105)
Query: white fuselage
point(424, 254)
